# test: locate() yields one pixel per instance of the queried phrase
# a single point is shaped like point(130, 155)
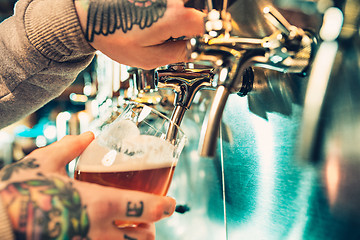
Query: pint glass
point(137, 151)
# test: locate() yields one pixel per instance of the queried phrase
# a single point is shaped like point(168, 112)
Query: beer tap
point(185, 82)
point(142, 86)
point(183, 79)
point(287, 49)
point(144, 80)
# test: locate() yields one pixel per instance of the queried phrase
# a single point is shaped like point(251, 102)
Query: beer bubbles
point(132, 153)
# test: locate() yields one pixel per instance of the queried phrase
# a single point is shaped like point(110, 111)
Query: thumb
point(60, 153)
point(72, 146)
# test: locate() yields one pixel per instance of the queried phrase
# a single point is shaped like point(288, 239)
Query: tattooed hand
point(44, 203)
point(137, 32)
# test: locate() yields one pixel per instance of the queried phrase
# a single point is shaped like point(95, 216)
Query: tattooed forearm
point(104, 17)
point(134, 210)
point(7, 171)
point(48, 208)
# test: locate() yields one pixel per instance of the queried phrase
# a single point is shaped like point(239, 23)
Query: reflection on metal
point(267, 194)
point(318, 82)
point(264, 145)
point(338, 148)
point(274, 92)
point(211, 125)
point(185, 82)
point(324, 68)
point(286, 49)
point(223, 186)
point(350, 27)
point(253, 188)
point(248, 20)
point(332, 172)
point(144, 80)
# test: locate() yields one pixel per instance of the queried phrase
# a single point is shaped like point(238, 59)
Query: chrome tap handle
point(145, 80)
point(291, 35)
point(184, 82)
point(287, 49)
point(277, 20)
point(290, 49)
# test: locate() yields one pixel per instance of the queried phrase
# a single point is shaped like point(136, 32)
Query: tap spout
point(287, 49)
point(212, 123)
point(185, 83)
point(176, 119)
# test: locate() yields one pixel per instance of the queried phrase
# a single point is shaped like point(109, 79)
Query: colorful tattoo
point(46, 208)
point(104, 17)
point(7, 171)
point(133, 210)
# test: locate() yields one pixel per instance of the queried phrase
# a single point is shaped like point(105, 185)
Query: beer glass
point(138, 151)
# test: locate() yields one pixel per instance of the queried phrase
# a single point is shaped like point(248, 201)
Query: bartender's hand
point(44, 203)
point(139, 33)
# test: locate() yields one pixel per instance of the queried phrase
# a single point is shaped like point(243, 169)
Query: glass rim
point(158, 113)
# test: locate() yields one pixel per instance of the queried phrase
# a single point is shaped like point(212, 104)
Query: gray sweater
point(42, 50)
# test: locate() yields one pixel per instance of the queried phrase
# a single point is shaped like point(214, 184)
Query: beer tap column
point(232, 78)
point(288, 49)
point(217, 47)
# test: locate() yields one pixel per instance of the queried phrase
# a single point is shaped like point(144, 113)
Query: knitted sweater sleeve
point(42, 50)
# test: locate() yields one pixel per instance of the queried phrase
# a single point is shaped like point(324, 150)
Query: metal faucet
point(185, 82)
point(182, 78)
point(287, 49)
point(144, 80)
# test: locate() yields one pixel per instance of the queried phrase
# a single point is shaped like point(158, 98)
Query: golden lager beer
point(138, 151)
point(155, 181)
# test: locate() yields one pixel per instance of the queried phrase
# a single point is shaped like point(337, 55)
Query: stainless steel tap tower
point(290, 166)
point(270, 98)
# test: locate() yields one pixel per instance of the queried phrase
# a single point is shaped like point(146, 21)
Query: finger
point(143, 231)
point(166, 53)
point(124, 205)
point(60, 153)
point(192, 24)
point(150, 226)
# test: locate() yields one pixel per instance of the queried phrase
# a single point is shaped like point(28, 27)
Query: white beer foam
point(130, 152)
point(115, 132)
